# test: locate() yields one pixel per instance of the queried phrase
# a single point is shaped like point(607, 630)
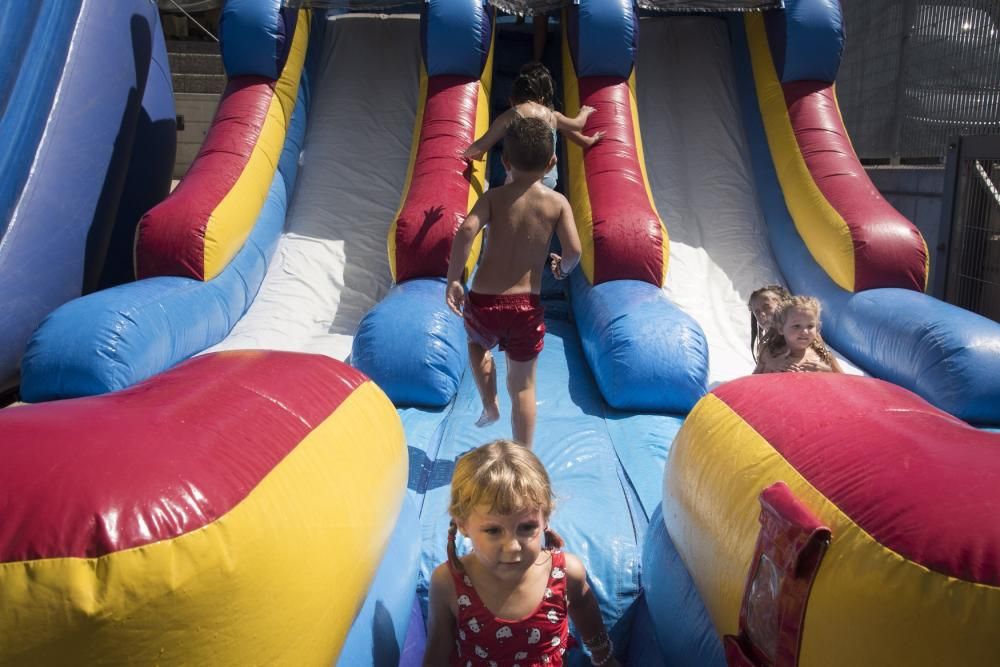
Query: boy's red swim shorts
point(515, 321)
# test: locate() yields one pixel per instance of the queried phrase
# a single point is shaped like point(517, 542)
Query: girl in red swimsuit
point(507, 603)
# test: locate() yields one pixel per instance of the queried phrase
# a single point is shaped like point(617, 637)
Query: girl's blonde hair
point(505, 477)
point(774, 341)
point(756, 330)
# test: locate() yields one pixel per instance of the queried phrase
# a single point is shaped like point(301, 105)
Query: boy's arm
point(584, 140)
point(440, 620)
point(586, 613)
point(569, 240)
point(577, 123)
point(461, 246)
point(478, 149)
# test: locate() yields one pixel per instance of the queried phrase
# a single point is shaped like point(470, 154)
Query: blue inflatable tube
point(603, 37)
point(461, 31)
point(421, 369)
point(112, 339)
point(644, 351)
point(379, 632)
point(807, 40)
point(949, 356)
point(683, 630)
point(255, 36)
point(67, 153)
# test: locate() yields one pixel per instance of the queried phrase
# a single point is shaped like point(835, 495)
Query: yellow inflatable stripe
point(418, 125)
point(579, 195)
point(277, 580)
point(665, 243)
point(869, 605)
point(233, 219)
point(822, 228)
point(478, 179)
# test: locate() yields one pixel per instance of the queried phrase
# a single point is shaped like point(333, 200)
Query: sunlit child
point(532, 96)
point(507, 601)
point(793, 342)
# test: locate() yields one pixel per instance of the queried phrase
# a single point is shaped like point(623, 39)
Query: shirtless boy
point(503, 307)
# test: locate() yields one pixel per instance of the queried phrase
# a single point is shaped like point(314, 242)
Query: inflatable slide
point(87, 119)
point(231, 492)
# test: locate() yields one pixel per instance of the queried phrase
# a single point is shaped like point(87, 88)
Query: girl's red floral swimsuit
point(537, 640)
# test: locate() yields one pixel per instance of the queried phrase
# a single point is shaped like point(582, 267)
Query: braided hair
point(504, 476)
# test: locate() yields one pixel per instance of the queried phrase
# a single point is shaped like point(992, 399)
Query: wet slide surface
point(702, 182)
point(606, 467)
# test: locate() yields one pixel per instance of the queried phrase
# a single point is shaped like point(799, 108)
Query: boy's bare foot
point(490, 415)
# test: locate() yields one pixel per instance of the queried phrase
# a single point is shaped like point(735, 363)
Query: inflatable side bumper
point(226, 504)
point(912, 572)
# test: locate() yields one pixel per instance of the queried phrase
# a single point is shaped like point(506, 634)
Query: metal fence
point(973, 205)
point(916, 72)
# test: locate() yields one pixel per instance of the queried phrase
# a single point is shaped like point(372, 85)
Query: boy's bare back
point(520, 219)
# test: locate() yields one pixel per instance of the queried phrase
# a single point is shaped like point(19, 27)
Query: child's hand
point(806, 367)
point(471, 154)
point(586, 110)
point(597, 136)
point(556, 264)
point(455, 297)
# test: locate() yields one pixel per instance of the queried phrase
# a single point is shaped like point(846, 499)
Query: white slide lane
point(700, 173)
point(331, 265)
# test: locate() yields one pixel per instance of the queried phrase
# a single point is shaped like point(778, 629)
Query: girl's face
point(763, 306)
point(506, 545)
point(800, 329)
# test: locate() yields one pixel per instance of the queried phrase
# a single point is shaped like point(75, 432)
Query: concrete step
point(198, 83)
point(195, 63)
point(192, 46)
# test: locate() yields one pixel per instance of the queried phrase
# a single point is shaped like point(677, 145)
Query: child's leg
point(521, 385)
point(485, 373)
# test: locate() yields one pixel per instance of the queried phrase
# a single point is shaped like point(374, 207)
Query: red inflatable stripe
point(438, 198)
point(171, 239)
point(628, 237)
point(921, 482)
point(101, 474)
point(888, 249)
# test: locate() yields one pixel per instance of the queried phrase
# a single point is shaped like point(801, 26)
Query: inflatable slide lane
point(87, 119)
point(440, 190)
point(823, 519)
point(834, 236)
point(644, 352)
point(270, 520)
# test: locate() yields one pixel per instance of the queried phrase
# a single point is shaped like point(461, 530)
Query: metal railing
point(972, 210)
point(917, 72)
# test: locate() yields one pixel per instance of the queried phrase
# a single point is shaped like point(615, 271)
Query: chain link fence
point(916, 72)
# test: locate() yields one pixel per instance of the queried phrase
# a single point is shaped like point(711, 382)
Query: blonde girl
point(764, 302)
point(507, 601)
point(793, 343)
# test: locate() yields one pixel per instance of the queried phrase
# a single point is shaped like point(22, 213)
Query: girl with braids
point(763, 303)
point(793, 342)
point(532, 96)
point(507, 602)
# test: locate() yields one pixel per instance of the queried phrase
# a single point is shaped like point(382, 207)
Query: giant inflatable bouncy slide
point(199, 478)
